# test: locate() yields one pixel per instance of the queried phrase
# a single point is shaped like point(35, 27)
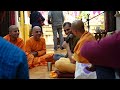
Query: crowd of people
point(86, 57)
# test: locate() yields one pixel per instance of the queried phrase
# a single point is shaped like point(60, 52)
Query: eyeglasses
point(66, 30)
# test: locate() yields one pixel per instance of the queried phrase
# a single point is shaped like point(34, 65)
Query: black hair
point(66, 24)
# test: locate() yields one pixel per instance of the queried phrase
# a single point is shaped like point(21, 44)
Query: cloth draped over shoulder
point(77, 54)
point(40, 47)
point(19, 42)
point(105, 52)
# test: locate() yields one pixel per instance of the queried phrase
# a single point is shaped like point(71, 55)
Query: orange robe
point(84, 38)
point(64, 64)
point(19, 42)
point(40, 47)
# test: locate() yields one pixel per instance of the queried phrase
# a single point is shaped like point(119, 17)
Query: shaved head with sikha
point(78, 25)
point(77, 28)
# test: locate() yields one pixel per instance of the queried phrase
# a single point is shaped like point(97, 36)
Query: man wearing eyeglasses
point(35, 49)
point(13, 37)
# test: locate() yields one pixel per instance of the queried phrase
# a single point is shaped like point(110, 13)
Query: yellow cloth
point(53, 74)
point(84, 38)
point(19, 42)
point(64, 65)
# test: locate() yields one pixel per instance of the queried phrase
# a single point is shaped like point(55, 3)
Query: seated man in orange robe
point(13, 37)
point(35, 49)
point(68, 64)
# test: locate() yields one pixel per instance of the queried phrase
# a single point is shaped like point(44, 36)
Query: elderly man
point(13, 37)
point(68, 65)
point(36, 49)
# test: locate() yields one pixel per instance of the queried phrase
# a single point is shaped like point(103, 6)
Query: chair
point(100, 35)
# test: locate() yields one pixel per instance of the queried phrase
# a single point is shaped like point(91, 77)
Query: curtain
point(4, 23)
point(110, 21)
point(7, 18)
point(12, 17)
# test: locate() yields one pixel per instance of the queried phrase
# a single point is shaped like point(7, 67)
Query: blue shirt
point(13, 61)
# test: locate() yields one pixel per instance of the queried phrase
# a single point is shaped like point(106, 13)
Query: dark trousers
point(105, 72)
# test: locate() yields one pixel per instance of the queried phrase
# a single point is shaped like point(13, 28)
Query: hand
point(65, 45)
point(34, 53)
point(73, 61)
point(92, 68)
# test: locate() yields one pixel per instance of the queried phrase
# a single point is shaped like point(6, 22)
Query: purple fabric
point(105, 52)
point(86, 71)
point(64, 75)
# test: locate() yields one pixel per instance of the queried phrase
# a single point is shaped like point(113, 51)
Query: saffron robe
point(37, 46)
point(64, 64)
point(19, 42)
point(77, 54)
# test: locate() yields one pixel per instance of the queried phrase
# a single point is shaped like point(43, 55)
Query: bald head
point(13, 27)
point(36, 32)
point(36, 28)
point(78, 25)
point(14, 32)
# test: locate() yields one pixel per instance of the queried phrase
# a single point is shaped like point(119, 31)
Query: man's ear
point(10, 32)
point(76, 32)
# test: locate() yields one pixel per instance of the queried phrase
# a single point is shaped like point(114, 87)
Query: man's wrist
point(36, 53)
point(68, 49)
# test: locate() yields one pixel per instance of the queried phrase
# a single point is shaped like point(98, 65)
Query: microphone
point(69, 37)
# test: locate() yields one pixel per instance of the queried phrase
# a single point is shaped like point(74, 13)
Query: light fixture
point(117, 14)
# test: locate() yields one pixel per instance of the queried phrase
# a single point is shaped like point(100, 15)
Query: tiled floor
point(41, 72)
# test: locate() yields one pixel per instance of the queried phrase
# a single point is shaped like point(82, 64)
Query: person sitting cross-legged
point(71, 63)
point(35, 49)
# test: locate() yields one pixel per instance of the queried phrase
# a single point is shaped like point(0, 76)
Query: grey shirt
point(56, 17)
